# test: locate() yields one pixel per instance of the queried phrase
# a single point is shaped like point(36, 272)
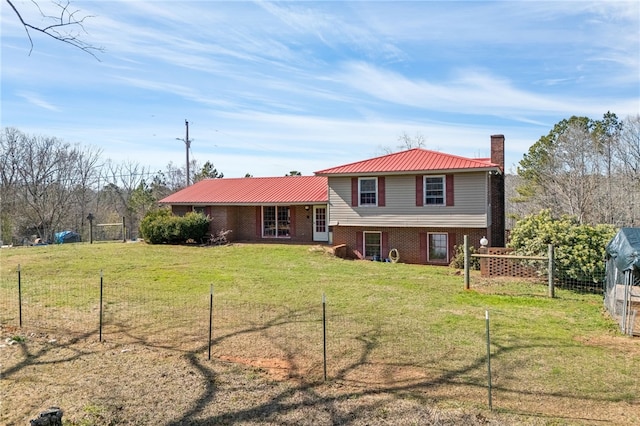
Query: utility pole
point(187, 143)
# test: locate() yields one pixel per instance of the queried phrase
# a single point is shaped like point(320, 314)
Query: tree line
point(585, 168)
point(48, 185)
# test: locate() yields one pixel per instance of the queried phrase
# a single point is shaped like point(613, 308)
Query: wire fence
point(622, 297)
point(312, 341)
point(446, 350)
point(500, 270)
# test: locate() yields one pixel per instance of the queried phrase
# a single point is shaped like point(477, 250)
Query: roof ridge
point(408, 155)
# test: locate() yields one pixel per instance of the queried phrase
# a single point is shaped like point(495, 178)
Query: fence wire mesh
point(444, 349)
point(504, 274)
point(361, 349)
point(622, 297)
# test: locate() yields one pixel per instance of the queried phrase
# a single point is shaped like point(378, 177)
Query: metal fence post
point(19, 297)
point(466, 262)
point(210, 319)
point(101, 293)
point(488, 359)
point(324, 335)
point(551, 271)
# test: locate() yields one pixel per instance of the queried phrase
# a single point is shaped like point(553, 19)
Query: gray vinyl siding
point(469, 209)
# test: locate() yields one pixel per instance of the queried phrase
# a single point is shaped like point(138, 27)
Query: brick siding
point(242, 221)
point(405, 240)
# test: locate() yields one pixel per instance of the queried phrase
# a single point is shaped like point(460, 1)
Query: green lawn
point(411, 325)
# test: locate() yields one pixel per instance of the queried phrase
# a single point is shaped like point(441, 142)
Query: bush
point(579, 249)
point(194, 226)
point(458, 258)
point(161, 226)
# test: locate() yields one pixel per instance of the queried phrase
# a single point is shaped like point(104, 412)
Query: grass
point(393, 326)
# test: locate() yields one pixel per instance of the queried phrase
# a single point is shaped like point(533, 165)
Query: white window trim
point(446, 250)
point(444, 190)
point(276, 236)
point(360, 191)
point(364, 242)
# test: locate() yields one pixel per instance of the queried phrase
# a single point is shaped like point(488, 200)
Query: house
point(419, 202)
point(288, 208)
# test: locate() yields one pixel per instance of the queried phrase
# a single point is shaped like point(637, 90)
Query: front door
point(320, 231)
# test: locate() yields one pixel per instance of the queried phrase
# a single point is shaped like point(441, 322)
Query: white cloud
point(275, 87)
point(35, 99)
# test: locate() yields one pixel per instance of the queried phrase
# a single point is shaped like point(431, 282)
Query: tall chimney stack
point(497, 150)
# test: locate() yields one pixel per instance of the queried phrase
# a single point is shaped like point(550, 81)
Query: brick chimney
point(496, 231)
point(497, 150)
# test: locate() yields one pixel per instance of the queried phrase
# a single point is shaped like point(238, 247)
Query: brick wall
point(181, 210)
point(243, 220)
point(303, 224)
point(405, 240)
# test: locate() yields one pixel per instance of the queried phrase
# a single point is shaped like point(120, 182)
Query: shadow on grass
point(309, 394)
point(31, 359)
point(312, 394)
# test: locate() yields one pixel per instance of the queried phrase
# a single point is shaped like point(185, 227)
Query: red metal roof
point(412, 160)
point(253, 190)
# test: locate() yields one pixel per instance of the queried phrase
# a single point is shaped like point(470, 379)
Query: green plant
point(458, 258)
point(579, 249)
point(161, 226)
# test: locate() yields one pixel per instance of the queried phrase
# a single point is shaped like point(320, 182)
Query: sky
point(271, 87)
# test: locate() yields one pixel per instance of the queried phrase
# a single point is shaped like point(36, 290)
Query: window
point(434, 191)
point(372, 245)
point(438, 248)
point(368, 191)
point(275, 221)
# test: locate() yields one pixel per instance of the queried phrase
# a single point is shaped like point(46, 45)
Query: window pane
point(269, 221)
point(438, 247)
point(367, 185)
point(372, 245)
point(283, 221)
point(321, 219)
point(368, 192)
point(275, 221)
point(434, 190)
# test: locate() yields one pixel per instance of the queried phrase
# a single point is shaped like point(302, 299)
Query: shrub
point(161, 226)
point(194, 226)
point(578, 249)
point(458, 258)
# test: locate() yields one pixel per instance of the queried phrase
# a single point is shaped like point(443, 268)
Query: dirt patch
point(622, 344)
point(276, 369)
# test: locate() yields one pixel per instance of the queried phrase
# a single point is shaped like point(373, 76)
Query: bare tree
point(11, 143)
point(584, 167)
point(47, 173)
point(562, 171)
point(67, 25)
point(122, 181)
point(627, 155)
point(406, 142)
point(88, 174)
